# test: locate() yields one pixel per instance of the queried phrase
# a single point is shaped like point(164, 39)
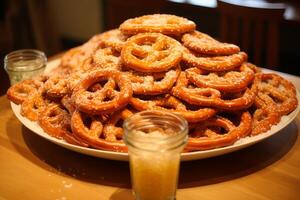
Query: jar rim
point(24, 55)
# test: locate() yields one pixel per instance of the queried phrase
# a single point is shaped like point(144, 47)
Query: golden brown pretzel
point(213, 63)
point(113, 95)
point(213, 98)
point(108, 58)
point(279, 94)
point(112, 128)
point(151, 52)
point(113, 38)
point(204, 44)
point(33, 104)
point(55, 121)
point(160, 23)
point(57, 86)
point(230, 81)
point(90, 130)
point(170, 103)
point(153, 83)
point(264, 116)
point(210, 133)
point(22, 90)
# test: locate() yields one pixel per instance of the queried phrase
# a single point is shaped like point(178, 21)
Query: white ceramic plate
point(242, 143)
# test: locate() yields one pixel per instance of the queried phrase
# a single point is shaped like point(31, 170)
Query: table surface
point(34, 168)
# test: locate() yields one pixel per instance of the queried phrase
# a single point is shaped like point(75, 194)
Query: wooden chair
point(254, 27)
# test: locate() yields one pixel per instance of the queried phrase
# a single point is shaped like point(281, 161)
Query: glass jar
point(24, 64)
point(155, 140)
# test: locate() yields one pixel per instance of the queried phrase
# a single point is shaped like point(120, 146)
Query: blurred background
point(267, 30)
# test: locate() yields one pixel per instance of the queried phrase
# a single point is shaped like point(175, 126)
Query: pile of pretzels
point(155, 62)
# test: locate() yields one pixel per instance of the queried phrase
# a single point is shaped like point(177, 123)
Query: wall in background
point(76, 19)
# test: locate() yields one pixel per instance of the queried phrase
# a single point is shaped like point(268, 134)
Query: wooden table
point(33, 168)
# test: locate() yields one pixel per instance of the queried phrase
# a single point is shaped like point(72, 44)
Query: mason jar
point(155, 140)
point(24, 64)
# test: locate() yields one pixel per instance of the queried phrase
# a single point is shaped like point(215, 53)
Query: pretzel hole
point(117, 88)
point(119, 123)
point(87, 121)
point(35, 106)
point(108, 98)
point(276, 99)
point(139, 55)
point(159, 77)
point(95, 87)
point(191, 107)
point(219, 130)
point(68, 128)
point(22, 92)
point(261, 116)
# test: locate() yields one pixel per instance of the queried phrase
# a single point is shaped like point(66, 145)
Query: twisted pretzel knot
point(172, 104)
point(161, 23)
point(90, 130)
point(210, 134)
point(204, 44)
point(112, 96)
point(107, 58)
point(153, 83)
point(57, 86)
point(33, 105)
point(113, 38)
point(22, 90)
point(112, 129)
point(212, 97)
point(55, 121)
point(151, 52)
point(213, 63)
point(231, 81)
point(279, 93)
point(264, 117)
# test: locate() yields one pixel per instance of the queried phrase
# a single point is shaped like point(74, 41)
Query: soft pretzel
point(204, 44)
point(218, 132)
point(159, 23)
point(151, 52)
point(172, 104)
point(214, 98)
point(107, 99)
point(228, 81)
point(90, 130)
point(213, 63)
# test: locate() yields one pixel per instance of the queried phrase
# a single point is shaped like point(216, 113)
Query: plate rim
point(186, 156)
